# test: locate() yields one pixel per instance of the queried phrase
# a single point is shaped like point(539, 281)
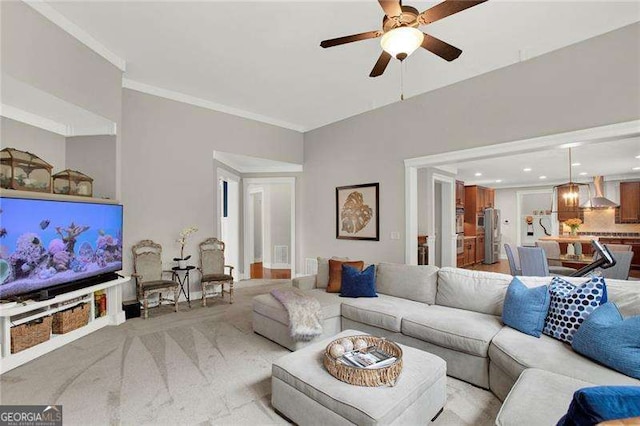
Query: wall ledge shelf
point(10, 193)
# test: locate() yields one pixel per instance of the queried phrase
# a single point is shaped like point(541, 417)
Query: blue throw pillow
point(611, 340)
point(358, 283)
point(571, 304)
point(525, 309)
point(591, 406)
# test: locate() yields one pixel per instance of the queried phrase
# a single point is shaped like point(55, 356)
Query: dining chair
point(148, 274)
point(533, 262)
point(618, 247)
point(514, 260)
point(212, 268)
point(552, 251)
point(619, 271)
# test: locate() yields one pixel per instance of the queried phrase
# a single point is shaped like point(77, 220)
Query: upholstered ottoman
point(304, 392)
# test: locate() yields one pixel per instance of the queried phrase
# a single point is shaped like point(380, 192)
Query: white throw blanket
point(304, 313)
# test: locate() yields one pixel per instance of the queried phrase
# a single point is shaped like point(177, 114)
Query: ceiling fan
point(400, 33)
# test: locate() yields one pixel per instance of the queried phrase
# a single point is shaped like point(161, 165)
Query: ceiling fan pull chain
point(402, 80)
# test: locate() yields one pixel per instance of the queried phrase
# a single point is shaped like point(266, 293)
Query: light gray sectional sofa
point(456, 314)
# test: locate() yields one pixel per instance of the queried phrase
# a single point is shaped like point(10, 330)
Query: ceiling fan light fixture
point(402, 41)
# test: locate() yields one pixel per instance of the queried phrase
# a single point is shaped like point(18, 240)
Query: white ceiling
point(25, 103)
point(248, 164)
point(264, 57)
point(610, 159)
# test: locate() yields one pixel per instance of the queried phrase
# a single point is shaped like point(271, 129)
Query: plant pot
point(182, 264)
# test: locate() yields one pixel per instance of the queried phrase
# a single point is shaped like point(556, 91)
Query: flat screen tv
point(57, 245)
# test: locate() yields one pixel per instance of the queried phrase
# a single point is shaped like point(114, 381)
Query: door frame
point(588, 136)
point(247, 186)
point(448, 255)
point(223, 174)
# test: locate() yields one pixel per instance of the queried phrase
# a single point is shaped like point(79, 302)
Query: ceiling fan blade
point(381, 64)
point(350, 39)
point(391, 7)
point(446, 8)
point(440, 48)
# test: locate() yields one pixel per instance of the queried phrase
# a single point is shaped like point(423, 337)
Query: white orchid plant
point(184, 236)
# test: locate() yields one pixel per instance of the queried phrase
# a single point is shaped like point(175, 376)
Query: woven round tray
point(372, 377)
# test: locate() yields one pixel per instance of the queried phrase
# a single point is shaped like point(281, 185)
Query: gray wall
point(596, 82)
point(46, 145)
point(94, 156)
point(168, 165)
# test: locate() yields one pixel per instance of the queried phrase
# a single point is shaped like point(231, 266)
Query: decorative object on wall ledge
point(24, 171)
point(358, 212)
point(401, 36)
point(72, 182)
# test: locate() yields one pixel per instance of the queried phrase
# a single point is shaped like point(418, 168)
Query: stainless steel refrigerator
point(492, 236)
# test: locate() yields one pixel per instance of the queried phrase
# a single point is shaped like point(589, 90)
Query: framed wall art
point(358, 212)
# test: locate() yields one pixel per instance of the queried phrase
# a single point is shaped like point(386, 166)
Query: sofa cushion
point(322, 277)
point(457, 329)
point(335, 273)
point(270, 307)
point(472, 290)
point(525, 309)
point(625, 294)
point(411, 282)
point(384, 312)
point(358, 283)
point(571, 304)
point(513, 352)
point(538, 398)
point(611, 340)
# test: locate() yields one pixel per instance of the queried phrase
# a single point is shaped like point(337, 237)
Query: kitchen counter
point(571, 239)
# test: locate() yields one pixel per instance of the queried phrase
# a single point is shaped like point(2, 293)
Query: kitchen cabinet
point(587, 248)
point(633, 242)
point(460, 260)
point(459, 194)
point(477, 198)
point(629, 202)
point(479, 249)
point(469, 251)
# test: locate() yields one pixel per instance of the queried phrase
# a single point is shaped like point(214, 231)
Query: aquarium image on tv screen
point(45, 243)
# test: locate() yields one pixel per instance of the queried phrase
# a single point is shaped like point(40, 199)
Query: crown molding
point(46, 10)
point(203, 103)
point(240, 168)
point(52, 126)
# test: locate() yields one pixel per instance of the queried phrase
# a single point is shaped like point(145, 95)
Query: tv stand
point(16, 313)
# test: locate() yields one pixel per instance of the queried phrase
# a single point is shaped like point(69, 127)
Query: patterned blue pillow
point(571, 304)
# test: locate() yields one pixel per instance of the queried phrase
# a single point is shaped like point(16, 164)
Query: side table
point(183, 280)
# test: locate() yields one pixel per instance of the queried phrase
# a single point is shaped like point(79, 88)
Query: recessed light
point(498, 180)
point(478, 174)
point(636, 168)
point(638, 156)
point(583, 173)
point(526, 169)
point(575, 164)
point(543, 177)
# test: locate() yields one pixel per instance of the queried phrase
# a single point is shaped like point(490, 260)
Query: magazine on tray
point(369, 357)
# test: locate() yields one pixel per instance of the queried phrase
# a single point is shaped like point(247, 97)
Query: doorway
point(229, 217)
point(270, 232)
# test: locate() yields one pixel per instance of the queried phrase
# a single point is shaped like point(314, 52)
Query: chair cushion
point(472, 290)
point(411, 282)
point(335, 273)
point(216, 277)
point(611, 340)
point(514, 352)
point(270, 307)
point(158, 285)
point(571, 305)
point(525, 309)
point(383, 312)
point(457, 329)
point(593, 405)
point(358, 283)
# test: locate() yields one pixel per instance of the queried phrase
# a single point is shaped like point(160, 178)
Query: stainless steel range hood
point(599, 201)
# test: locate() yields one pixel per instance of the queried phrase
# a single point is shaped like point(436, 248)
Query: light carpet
point(199, 366)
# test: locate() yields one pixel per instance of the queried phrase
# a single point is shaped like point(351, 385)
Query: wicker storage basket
point(385, 376)
point(70, 319)
point(29, 334)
